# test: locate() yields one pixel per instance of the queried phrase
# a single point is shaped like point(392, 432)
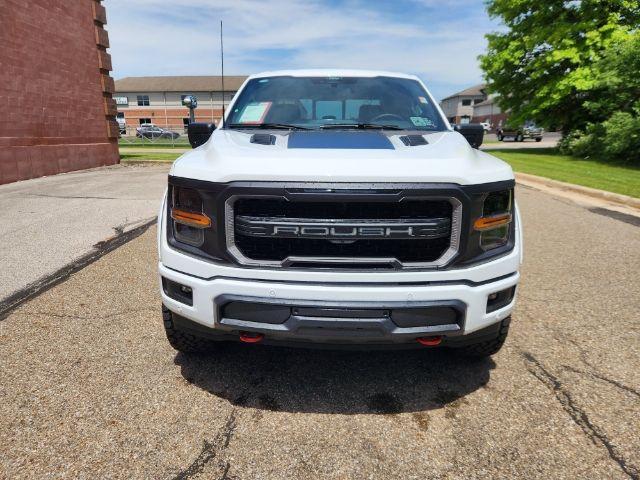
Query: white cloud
point(181, 37)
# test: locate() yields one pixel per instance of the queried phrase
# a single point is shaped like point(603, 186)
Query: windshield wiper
point(274, 126)
point(361, 126)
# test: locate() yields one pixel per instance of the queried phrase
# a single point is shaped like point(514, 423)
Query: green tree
point(613, 134)
point(542, 65)
point(616, 82)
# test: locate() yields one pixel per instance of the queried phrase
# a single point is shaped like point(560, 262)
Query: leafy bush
point(579, 144)
point(617, 139)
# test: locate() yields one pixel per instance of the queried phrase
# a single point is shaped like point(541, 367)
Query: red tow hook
point(249, 337)
point(430, 341)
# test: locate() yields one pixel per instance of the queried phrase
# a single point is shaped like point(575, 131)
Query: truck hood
point(339, 156)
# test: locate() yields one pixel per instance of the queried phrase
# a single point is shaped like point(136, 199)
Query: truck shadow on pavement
point(345, 382)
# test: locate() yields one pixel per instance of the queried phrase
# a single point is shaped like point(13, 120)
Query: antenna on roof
point(222, 68)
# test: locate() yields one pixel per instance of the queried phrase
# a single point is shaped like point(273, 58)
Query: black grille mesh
point(405, 250)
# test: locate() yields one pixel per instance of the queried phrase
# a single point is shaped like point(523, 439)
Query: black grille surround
point(365, 199)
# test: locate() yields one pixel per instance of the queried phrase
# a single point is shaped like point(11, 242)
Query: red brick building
point(57, 111)
point(158, 100)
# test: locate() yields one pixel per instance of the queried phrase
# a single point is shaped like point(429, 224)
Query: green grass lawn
point(148, 157)
point(547, 162)
point(181, 142)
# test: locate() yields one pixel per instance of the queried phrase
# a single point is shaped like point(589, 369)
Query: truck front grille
point(401, 233)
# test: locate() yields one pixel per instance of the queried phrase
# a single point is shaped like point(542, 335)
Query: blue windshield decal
point(361, 140)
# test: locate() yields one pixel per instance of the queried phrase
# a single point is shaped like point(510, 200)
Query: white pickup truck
point(338, 208)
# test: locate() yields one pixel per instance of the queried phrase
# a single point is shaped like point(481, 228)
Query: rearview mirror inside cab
point(199, 133)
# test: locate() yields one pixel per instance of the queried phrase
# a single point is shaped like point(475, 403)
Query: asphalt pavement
point(91, 389)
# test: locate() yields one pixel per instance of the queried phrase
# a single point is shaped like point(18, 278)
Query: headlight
point(494, 222)
point(189, 220)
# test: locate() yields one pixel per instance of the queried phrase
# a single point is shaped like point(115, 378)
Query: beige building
point(488, 111)
point(458, 108)
point(158, 100)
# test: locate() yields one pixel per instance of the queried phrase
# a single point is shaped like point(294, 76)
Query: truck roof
point(332, 72)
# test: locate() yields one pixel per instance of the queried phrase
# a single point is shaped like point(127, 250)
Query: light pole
point(191, 102)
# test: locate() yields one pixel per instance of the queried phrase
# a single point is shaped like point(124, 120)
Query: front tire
point(539, 139)
point(180, 340)
point(489, 347)
point(500, 137)
point(520, 138)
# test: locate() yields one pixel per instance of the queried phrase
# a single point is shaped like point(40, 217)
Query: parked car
point(122, 124)
point(519, 134)
point(486, 126)
point(338, 208)
point(152, 131)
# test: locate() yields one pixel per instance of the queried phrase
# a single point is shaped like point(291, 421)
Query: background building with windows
point(458, 108)
point(488, 111)
point(158, 100)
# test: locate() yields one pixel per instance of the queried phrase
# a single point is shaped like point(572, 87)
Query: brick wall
point(55, 89)
point(170, 116)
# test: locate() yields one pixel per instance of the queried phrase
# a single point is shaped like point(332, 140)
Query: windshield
point(335, 102)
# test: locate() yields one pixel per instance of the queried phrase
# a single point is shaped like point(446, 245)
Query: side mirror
point(473, 132)
point(199, 133)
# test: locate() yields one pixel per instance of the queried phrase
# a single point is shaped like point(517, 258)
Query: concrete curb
point(534, 180)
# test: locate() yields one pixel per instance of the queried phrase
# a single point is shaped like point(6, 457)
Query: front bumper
point(208, 296)
point(214, 284)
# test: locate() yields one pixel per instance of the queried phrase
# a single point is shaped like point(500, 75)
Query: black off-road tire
point(500, 137)
point(538, 139)
point(183, 341)
point(487, 347)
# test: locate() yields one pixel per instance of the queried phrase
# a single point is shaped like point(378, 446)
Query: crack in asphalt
point(579, 416)
point(595, 372)
point(604, 378)
point(225, 472)
point(211, 450)
point(47, 282)
point(581, 350)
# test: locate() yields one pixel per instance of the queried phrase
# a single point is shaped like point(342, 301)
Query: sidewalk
point(50, 222)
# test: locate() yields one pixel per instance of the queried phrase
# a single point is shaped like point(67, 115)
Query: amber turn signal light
point(493, 221)
point(197, 220)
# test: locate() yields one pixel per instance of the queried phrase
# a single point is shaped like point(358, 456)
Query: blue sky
point(438, 40)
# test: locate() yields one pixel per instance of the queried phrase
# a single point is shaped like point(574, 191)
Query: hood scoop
point(339, 139)
point(413, 140)
point(263, 139)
